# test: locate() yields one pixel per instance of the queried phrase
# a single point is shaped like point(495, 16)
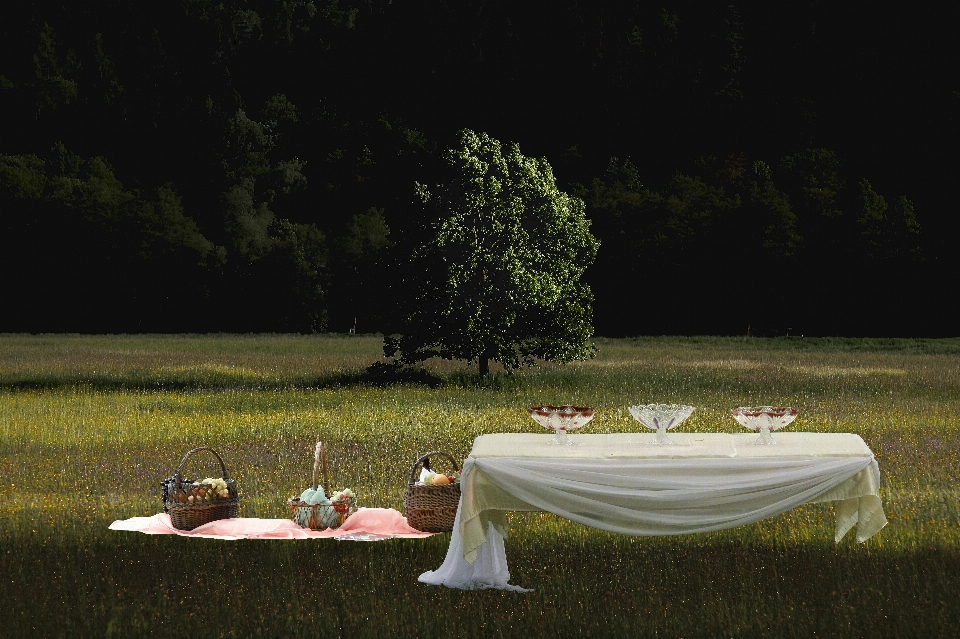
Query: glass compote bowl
point(661, 417)
point(561, 419)
point(764, 419)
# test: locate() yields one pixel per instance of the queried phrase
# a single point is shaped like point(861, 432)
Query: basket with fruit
point(431, 501)
point(194, 503)
point(313, 509)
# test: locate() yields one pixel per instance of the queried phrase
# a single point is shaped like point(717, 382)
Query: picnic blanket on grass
point(367, 524)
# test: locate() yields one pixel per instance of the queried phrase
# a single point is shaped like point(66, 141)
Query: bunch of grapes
point(218, 488)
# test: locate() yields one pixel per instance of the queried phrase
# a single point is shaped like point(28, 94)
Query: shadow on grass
point(379, 374)
point(766, 340)
point(690, 587)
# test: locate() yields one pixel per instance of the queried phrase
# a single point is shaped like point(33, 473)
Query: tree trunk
point(484, 363)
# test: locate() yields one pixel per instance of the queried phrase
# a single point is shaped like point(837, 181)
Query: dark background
point(196, 221)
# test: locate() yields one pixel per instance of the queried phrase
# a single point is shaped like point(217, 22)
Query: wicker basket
point(187, 514)
point(320, 516)
point(431, 508)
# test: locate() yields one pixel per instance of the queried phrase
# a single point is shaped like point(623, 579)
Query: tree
point(86, 254)
point(499, 277)
point(357, 273)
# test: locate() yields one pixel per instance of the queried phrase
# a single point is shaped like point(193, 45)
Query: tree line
point(231, 167)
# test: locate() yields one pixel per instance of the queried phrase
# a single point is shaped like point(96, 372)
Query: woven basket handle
point(177, 476)
point(413, 470)
point(320, 460)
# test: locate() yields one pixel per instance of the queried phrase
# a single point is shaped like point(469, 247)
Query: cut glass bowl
point(561, 419)
point(764, 419)
point(661, 418)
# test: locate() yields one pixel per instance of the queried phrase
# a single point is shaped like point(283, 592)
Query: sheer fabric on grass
point(488, 569)
point(668, 496)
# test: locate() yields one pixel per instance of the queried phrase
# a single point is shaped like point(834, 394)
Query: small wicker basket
point(320, 516)
point(191, 504)
point(428, 507)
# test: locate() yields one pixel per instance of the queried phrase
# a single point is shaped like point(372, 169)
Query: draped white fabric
point(488, 570)
point(651, 493)
point(668, 496)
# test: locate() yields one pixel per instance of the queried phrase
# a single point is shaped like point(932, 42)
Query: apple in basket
point(439, 479)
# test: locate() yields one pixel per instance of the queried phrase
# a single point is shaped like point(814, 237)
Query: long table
point(621, 483)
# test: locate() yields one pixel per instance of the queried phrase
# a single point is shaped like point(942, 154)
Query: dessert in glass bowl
point(561, 419)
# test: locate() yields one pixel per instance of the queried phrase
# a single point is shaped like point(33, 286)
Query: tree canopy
point(246, 165)
point(500, 275)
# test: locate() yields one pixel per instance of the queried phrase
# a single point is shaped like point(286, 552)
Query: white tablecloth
point(619, 483)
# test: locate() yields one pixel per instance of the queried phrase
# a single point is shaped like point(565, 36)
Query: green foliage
point(774, 219)
point(206, 99)
point(817, 180)
point(72, 217)
point(75, 216)
point(22, 177)
point(241, 23)
point(671, 21)
point(55, 81)
point(690, 208)
point(358, 272)
point(72, 190)
point(246, 221)
point(872, 217)
point(736, 225)
point(280, 108)
point(735, 59)
point(294, 279)
point(272, 260)
point(502, 270)
point(890, 234)
point(110, 83)
point(367, 234)
point(762, 169)
point(168, 220)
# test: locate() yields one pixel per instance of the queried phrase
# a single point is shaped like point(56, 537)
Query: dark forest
point(765, 168)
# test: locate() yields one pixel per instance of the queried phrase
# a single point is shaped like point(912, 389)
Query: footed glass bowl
point(661, 418)
point(764, 419)
point(561, 419)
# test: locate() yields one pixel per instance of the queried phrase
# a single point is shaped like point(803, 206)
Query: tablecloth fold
point(665, 496)
point(617, 482)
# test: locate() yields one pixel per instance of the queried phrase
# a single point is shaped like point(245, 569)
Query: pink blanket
point(367, 524)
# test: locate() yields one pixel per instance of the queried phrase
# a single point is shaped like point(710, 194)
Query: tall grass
point(90, 424)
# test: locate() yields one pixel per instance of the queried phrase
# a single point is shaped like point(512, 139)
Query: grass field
point(91, 424)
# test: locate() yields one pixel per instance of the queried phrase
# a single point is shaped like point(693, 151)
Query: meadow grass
point(91, 424)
